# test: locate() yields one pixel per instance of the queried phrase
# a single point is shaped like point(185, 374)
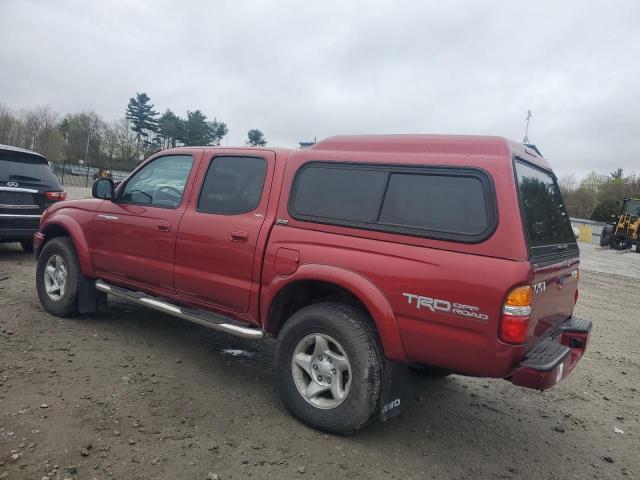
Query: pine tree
point(170, 128)
point(142, 117)
point(196, 130)
point(255, 138)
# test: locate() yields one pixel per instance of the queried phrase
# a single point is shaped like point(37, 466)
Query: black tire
point(27, 245)
point(67, 304)
point(355, 333)
point(607, 234)
point(621, 241)
point(427, 371)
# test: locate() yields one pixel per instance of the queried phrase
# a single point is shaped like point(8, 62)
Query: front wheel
point(57, 277)
point(607, 234)
point(328, 367)
point(621, 242)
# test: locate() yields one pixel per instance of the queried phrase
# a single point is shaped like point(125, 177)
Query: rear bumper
point(553, 358)
point(18, 226)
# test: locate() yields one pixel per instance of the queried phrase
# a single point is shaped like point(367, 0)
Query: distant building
point(307, 144)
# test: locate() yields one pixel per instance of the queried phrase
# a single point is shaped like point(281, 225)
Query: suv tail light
point(56, 196)
point(514, 323)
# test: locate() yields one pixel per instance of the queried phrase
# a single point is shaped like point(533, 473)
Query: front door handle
point(163, 227)
point(239, 236)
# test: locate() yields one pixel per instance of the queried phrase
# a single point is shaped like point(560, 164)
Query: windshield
point(546, 221)
point(632, 206)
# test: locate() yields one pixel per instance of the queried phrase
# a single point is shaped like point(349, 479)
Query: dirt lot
point(136, 394)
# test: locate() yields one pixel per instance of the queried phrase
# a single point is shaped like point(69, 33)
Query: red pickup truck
point(453, 254)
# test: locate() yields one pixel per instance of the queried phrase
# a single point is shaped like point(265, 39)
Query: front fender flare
point(77, 236)
point(372, 298)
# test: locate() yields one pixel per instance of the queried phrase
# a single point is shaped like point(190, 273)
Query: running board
point(206, 319)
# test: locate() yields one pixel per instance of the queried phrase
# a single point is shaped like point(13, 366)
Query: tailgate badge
point(12, 184)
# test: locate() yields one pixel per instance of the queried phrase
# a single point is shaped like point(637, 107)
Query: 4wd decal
point(445, 306)
point(539, 287)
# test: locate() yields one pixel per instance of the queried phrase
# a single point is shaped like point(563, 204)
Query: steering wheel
point(136, 190)
point(171, 191)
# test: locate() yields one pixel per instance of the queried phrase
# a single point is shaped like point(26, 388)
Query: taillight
point(56, 196)
point(514, 324)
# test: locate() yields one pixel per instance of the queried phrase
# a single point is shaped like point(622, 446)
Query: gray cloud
point(298, 70)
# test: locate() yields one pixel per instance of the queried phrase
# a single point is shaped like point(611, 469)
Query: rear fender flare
point(77, 236)
point(370, 296)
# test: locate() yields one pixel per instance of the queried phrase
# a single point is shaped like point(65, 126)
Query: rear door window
point(437, 202)
point(546, 220)
point(232, 185)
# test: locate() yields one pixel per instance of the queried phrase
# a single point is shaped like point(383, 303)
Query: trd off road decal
point(445, 306)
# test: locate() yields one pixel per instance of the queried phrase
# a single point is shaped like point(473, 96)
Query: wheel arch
point(316, 283)
point(65, 226)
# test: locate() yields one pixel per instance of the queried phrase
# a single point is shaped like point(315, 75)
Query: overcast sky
point(297, 70)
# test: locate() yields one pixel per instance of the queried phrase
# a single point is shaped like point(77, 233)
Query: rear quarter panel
point(444, 339)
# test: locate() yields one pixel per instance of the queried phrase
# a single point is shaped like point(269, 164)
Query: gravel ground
point(135, 394)
point(77, 193)
point(606, 260)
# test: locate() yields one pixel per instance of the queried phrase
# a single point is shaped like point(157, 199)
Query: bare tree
point(34, 129)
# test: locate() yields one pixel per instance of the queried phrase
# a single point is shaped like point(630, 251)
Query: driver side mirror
point(103, 188)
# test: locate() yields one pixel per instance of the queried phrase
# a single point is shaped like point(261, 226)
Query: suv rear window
point(546, 221)
point(437, 202)
point(25, 168)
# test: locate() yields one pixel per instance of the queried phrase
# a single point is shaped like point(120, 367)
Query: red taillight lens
point(56, 196)
point(575, 298)
point(514, 329)
point(514, 323)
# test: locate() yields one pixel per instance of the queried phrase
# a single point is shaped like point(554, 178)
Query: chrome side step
point(206, 319)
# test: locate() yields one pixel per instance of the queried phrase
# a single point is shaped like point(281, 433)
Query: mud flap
point(393, 388)
point(90, 300)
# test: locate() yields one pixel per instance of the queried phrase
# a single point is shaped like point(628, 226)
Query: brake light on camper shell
point(56, 196)
point(514, 323)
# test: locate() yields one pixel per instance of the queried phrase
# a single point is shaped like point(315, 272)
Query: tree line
point(597, 196)
point(119, 144)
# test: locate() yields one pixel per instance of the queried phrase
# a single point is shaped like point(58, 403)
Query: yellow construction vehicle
point(623, 233)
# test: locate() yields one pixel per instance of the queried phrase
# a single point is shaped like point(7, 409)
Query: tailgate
point(554, 285)
point(553, 251)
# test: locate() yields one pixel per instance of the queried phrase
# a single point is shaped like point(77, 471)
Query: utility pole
point(86, 157)
point(525, 140)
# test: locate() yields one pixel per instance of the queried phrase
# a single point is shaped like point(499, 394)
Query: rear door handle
point(163, 227)
point(239, 236)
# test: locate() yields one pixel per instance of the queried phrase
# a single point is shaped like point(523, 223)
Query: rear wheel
point(57, 277)
point(328, 367)
point(27, 245)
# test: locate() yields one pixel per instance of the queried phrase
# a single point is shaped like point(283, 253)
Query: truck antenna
point(525, 140)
